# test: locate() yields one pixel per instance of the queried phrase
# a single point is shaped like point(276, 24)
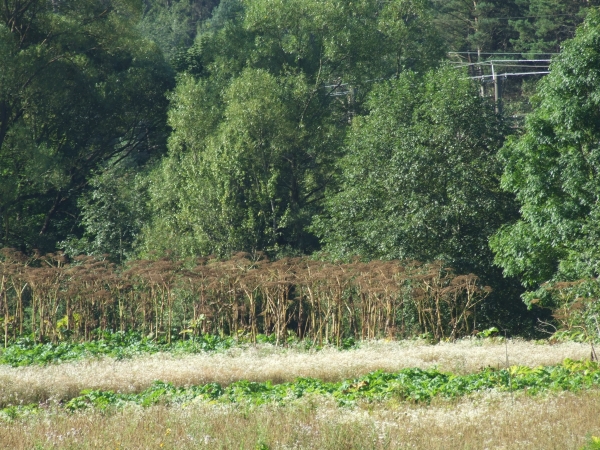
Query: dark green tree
point(553, 168)
point(476, 26)
point(112, 211)
point(78, 87)
point(545, 24)
point(173, 24)
point(420, 178)
point(258, 118)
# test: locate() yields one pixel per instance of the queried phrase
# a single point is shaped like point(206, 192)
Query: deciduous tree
point(77, 87)
point(553, 168)
point(269, 89)
point(420, 178)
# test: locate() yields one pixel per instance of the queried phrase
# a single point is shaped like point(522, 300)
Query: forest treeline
point(137, 130)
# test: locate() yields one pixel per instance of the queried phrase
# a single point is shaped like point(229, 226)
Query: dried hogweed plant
point(54, 299)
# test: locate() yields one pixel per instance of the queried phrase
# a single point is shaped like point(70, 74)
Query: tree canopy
point(420, 175)
point(552, 167)
point(258, 115)
point(184, 128)
point(77, 87)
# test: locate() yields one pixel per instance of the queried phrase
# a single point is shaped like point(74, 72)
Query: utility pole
point(481, 86)
point(497, 93)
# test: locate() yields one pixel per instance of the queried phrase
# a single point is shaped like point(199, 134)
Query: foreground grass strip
point(461, 356)
point(58, 383)
point(490, 420)
point(26, 352)
point(415, 385)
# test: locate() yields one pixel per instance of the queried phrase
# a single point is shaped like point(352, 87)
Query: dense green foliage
point(552, 167)
point(140, 129)
point(420, 178)
point(26, 352)
point(113, 212)
point(173, 24)
point(476, 26)
point(416, 385)
point(544, 25)
point(528, 26)
point(77, 88)
point(258, 118)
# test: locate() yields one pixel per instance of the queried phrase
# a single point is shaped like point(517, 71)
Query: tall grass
point(488, 421)
point(53, 299)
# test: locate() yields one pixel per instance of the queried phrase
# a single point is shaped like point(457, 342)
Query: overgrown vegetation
point(25, 351)
point(414, 385)
point(169, 131)
point(51, 300)
point(187, 176)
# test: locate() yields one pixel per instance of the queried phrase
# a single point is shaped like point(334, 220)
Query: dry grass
point(489, 421)
point(63, 381)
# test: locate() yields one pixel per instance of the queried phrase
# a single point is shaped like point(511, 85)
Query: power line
point(515, 17)
point(517, 65)
point(508, 75)
point(499, 62)
point(502, 60)
point(474, 52)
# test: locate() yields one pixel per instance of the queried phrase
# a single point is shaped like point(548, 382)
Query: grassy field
point(56, 382)
point(490, 421)
point(560, 418)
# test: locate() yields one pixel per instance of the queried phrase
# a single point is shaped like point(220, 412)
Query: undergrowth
point(413, 385)
point(25, 351)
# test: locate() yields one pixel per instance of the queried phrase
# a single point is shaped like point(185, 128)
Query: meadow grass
point(483, 421)
point(60, 382)
point(486, 419)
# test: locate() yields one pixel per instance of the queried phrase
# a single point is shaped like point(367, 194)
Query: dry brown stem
point(322, 301)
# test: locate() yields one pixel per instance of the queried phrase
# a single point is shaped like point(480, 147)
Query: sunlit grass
point(270, 363)
point(485, 421)
point(478, 420)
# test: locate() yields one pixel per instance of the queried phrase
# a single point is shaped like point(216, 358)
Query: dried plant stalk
point(54, 299)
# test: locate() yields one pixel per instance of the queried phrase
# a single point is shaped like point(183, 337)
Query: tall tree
point(545, 24)
point(420, 178)
point(112, 211)
point(258, 119)
point(77, 88)
point(553, 168)
point(173, 24)
point(476, 26)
